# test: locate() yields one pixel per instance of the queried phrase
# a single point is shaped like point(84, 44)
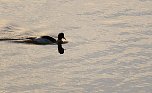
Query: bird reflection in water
point(60, 49)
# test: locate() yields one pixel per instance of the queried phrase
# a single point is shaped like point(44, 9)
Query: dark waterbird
point(43, 40)
point(47, 39)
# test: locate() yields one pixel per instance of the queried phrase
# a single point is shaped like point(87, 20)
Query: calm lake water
point(109, 49)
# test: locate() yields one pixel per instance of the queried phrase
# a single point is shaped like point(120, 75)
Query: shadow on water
point(26, 41)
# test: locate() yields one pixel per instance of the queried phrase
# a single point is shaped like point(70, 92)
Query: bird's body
point(42, 41)
point(48, 40)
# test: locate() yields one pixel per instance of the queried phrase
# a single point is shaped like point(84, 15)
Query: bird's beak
point(64, 38)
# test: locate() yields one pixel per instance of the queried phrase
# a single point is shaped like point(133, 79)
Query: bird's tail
point(31, 38)
point(7, 39)
point(11, 39)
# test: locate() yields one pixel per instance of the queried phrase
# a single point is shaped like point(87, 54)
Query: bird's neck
point(59, 41)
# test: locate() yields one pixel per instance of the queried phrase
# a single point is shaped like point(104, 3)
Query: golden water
point(109, 49)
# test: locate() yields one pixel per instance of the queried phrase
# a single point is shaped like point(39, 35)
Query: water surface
point(109, 49)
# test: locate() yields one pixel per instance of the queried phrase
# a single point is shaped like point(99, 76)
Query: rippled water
point(109, 49)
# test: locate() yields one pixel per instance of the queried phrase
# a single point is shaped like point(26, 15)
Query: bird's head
point(60, 36)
